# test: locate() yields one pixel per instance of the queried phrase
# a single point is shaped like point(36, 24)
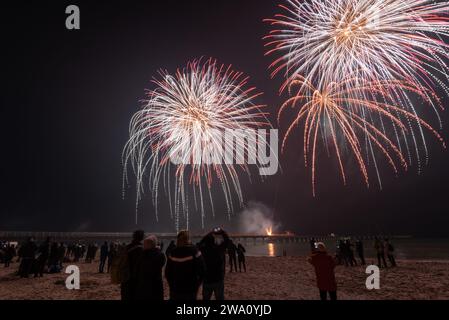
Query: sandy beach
point(281, 278)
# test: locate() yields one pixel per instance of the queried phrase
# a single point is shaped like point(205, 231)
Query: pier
point(20, 236)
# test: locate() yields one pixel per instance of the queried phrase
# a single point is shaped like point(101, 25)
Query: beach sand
point(281, 278)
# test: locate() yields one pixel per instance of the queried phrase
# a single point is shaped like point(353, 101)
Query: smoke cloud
point(256, 218)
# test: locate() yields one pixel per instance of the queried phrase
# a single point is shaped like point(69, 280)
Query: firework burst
point(395, 46)
point(354, 110)
point(184, 117)
point(325, 40)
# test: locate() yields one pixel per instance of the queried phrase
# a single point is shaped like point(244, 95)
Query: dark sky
point(67, 98)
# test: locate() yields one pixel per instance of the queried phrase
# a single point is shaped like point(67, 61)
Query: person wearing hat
point(324, 266)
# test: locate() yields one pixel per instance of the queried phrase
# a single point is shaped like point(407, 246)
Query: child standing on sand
point(324, 266)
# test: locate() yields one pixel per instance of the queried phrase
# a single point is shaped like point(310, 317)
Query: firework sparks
point(353, 109)
point(379, 39)
point(396, 46)
point(185, 116)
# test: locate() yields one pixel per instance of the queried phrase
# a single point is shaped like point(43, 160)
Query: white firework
point(327, 41)
point(185, 117)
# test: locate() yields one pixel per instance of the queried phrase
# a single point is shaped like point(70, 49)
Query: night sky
point(67, 98)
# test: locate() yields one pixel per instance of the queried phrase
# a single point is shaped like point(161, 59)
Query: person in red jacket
point(324, 266)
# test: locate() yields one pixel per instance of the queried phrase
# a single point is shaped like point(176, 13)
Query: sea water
point(409, 248)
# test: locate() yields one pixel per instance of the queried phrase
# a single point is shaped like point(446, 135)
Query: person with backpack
point(124, 270)
point(213, 248)
point(185, 269)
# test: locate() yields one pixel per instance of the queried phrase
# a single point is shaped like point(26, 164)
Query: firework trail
point(380, 42)
point(352, 109)
point(184, 117)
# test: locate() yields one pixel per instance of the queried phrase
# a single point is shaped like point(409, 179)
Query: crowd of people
point(346, 252)
point(49, 256)
point(384, 249)
point(139, 266)
point(8, 251)
point(188, 266)
point(324, 263)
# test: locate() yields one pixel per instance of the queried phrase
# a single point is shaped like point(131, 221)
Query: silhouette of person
point(232, 253)
point(129, 259)
point(149, 271)
point(379, 247)
point(338, 253)
point(43, 254)
point(213, 248)
point(53, 259)
point(360, 251)
point(312, 243)
point(78, 252)
point(350, 253)
point(389, 252)
point(9, 253)
point(104, 252)
point(62, 252)
point(241, 256)
point(28, 253)
point(112, 253)
point(88, 253)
